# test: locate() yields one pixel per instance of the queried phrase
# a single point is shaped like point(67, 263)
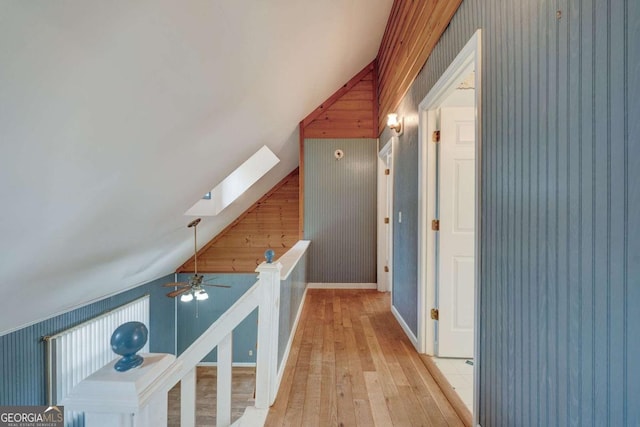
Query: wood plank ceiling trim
point(413, 29)
point(349, 113)
point(271, 222)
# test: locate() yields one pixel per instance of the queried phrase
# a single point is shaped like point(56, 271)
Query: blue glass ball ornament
point(269, 254)
point(126, 341)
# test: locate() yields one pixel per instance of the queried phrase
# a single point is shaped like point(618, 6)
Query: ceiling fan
point(194, 287)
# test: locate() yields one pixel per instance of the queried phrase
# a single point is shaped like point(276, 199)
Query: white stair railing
point(265, 295)
point(152, 396)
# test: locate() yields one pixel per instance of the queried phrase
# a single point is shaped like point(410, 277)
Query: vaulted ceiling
point(115, 118)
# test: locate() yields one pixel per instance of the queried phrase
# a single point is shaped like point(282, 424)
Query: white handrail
point(291, 258)
point(208, 340)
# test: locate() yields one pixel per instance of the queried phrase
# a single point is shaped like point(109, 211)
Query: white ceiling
point(116, 116)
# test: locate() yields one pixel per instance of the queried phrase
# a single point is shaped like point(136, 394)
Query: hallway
point(351, 364)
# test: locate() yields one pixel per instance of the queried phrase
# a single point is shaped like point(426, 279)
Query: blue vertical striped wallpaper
point(340, 210)
point(560, 267)
point(291, 293)
point(22, 353)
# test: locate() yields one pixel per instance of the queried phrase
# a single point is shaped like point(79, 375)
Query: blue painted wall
point(405, 233)
point(291, 293)
point(194, 319)
point(22, 353)
point(340, 210)
point(560, 266)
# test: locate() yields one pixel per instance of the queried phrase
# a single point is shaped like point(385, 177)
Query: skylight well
point(234, 185)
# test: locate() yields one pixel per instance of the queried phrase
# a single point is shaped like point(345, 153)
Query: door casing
point(468, 59)
point(385, 231)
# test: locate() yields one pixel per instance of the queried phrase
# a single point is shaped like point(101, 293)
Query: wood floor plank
point(279, 408)
point(346, 415)
point(364, 352)
point(364, 417)
point(377, 400)
point(328, 408)
point(312, 392)
point(359, 390)
point(295, 404)
point(355, 366)
point(379, 361)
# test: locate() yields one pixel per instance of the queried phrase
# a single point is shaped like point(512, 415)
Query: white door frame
point(468, 58)
point(385, 231)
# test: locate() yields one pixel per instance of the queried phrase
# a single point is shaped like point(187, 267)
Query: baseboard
point(449, 392)
point(285, 356)
point(405, 328)
point(233, 365)
point(342, 286)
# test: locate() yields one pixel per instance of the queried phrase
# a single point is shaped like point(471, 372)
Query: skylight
point(234, 185)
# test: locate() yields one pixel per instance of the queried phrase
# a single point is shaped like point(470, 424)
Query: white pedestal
point(123, 399)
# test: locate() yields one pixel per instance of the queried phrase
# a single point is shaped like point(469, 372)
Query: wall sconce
point(395, 123)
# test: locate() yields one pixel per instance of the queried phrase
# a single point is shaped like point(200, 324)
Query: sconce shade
point(392, 120)
point(394, 123)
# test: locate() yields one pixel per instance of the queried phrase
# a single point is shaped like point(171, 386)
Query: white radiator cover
point(76, 353)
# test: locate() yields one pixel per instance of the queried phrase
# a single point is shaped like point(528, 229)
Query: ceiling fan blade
point(175, 293)
point(171, 285)
point(217, 286)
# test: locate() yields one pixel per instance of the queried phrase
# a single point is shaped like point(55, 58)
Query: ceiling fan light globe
point(202, 295)
point(186, 297)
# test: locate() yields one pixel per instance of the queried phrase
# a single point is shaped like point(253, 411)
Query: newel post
point(268, 322)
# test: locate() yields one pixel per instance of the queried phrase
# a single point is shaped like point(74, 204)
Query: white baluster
point(188, 399)
point(225, 357)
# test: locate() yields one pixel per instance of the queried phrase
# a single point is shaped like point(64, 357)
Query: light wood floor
point(242, 386)
point(352, 365)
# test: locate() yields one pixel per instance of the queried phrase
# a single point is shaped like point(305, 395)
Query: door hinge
point(386, 220)
point(435, 225)
point(435, 314)
point(387, 171)
point(386, 268)
point(435, 137)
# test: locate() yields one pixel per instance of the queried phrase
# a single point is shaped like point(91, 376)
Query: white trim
point(385, 192)
point(234, 364)
point(285, 356)
point(388, 147)
point(426, 240)
point(342, 286)
point(405, 327)
point(455, 72)
point(478, 235)
point(470, 56)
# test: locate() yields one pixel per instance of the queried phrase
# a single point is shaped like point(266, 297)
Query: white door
point(456, 236)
